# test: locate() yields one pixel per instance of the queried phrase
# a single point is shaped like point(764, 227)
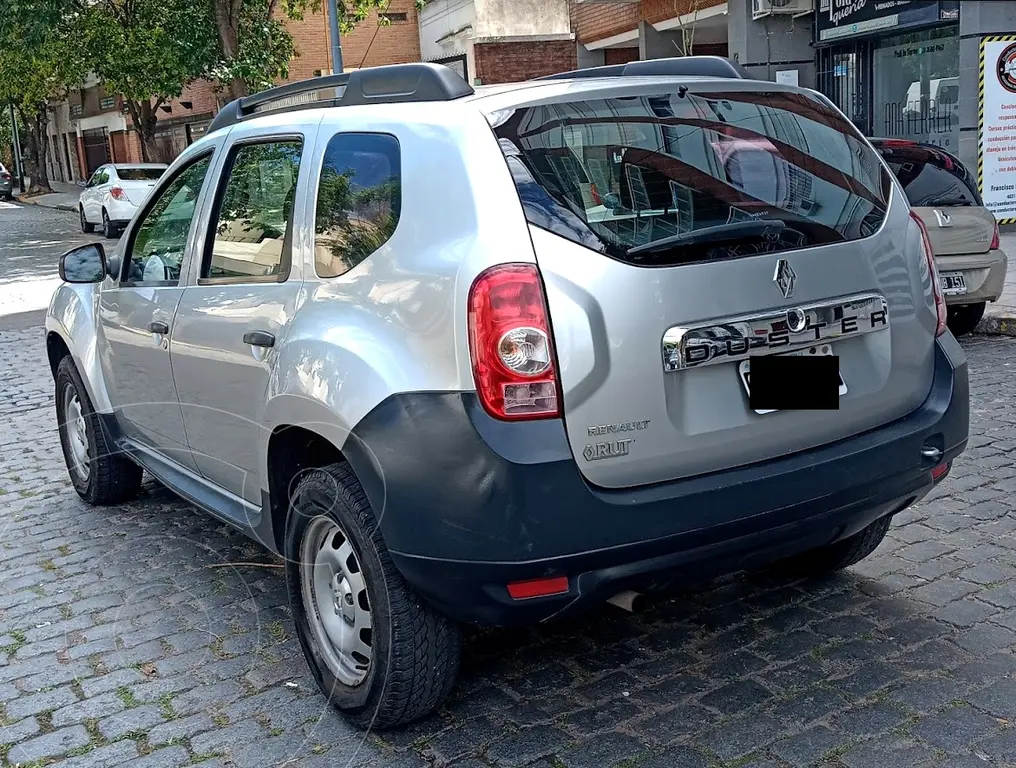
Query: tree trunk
point(38, 150)
point(227, 21)
point(145, 116)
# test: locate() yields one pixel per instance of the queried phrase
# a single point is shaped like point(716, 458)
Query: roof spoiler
point(395, 83)
point(689, 66)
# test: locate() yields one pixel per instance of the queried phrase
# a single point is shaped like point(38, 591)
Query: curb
point(56, 207)
point(997, 325)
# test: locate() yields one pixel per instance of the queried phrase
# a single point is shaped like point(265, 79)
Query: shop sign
point(840, 19)
point(996, 157)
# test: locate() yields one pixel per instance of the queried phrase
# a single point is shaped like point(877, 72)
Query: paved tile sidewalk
point(122, 641)
point(64, 197)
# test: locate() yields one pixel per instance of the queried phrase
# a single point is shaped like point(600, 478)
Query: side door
point(95, 194)
point(88, 193)
point(136, 318)
point(235, 314)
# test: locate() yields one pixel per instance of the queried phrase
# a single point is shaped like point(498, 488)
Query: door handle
point(259, 338)
point(159, 327)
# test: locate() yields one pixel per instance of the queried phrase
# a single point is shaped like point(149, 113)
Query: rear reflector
point(937, 473)
point(994, 238)
point(555, 585)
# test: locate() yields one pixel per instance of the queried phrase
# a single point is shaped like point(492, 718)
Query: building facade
point(92, 127)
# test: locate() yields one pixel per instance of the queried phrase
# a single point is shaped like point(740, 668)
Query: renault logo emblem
point(785, 278)
point(944, 219)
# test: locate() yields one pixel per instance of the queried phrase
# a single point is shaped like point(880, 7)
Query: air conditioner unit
point(762, 8)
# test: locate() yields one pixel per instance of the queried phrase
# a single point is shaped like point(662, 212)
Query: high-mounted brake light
point(117, 193)
point(510, 344)
point(936, 281)
point(994, 238)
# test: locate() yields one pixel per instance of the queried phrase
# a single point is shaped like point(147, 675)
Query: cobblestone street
point(150, 635)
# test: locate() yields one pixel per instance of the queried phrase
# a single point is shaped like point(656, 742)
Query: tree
point(254, 44)
point(148, 51)
point(38, 62)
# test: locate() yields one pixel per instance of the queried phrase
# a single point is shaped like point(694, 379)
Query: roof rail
point(691, 66)
point(389, 84)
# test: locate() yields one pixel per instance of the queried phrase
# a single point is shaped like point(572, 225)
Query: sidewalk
point(64, 197)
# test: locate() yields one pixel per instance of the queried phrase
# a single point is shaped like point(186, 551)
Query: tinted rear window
point(617, 173)
point(140, 174)
point(931, 177)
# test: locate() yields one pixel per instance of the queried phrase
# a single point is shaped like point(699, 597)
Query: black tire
point(111, 477)
point(108, 230)
point(414, 649)
point(85, 226)
point(836, 557)
point(963, 318)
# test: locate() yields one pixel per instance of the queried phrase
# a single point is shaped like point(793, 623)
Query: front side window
point(160, 239)
point(359, 199)
point(675, 178)
point(253, 218)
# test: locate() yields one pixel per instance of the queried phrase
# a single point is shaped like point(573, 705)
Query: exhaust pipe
point(628, 600)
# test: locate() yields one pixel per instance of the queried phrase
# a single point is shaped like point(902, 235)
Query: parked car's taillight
point(118, 194)
point(994, 238)
point(510, 344)
point(936, 281)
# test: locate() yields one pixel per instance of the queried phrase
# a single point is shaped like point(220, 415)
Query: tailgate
point(958, 230)
point(650, 342)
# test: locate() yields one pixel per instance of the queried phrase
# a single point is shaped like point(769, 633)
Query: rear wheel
point(836, 557)
point(85, 226)
point(98, 473)
point(964, 318)
point(108, 230)
point(379, 653)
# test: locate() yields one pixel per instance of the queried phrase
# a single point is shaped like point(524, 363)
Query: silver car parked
point(496, 357)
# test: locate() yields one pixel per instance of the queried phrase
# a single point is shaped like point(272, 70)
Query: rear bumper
point(120, 212)
point(468, 504)
point(984, 274)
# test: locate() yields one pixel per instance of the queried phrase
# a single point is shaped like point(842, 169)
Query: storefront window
point(916, 87)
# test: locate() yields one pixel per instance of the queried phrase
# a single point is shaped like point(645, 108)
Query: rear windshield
point(140, 174)
point(931, 177)
point(678, 178)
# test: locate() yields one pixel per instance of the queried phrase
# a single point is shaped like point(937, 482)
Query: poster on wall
point(996, 156)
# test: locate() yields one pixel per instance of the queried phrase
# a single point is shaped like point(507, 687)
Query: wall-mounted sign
point(996, 155)
point(841, 19)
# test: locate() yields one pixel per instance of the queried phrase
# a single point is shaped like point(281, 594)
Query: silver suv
point(494, 357)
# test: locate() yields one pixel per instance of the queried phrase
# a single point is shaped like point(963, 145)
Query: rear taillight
point(5, 176)
point(510, 344)
point(936, 282)
point(994, 238)
point(118, 194)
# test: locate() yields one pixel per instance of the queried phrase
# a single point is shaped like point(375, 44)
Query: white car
point(112, 196)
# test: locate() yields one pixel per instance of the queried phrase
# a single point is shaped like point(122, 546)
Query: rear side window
point(931, 177)
point(676, 178)
point(358, 202)
point(140, 174)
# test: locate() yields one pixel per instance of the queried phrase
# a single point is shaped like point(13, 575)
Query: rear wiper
point(949, 202)
point(718, 234)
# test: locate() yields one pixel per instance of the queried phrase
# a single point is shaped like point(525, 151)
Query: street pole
point(333, 23)
point(17, 152)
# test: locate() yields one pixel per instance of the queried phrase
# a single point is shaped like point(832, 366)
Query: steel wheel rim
point(336, 601)
point(77, 435)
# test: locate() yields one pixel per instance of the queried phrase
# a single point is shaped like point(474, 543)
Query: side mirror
point(81, 183)
point(84, 264)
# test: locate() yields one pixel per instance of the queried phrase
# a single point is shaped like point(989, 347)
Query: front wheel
point(98, 473)
point(379, 653)
point(962, 319)
point(85, 226)
point(836, 557)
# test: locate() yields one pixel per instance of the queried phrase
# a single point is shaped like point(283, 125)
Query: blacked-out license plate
point(805, 380)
